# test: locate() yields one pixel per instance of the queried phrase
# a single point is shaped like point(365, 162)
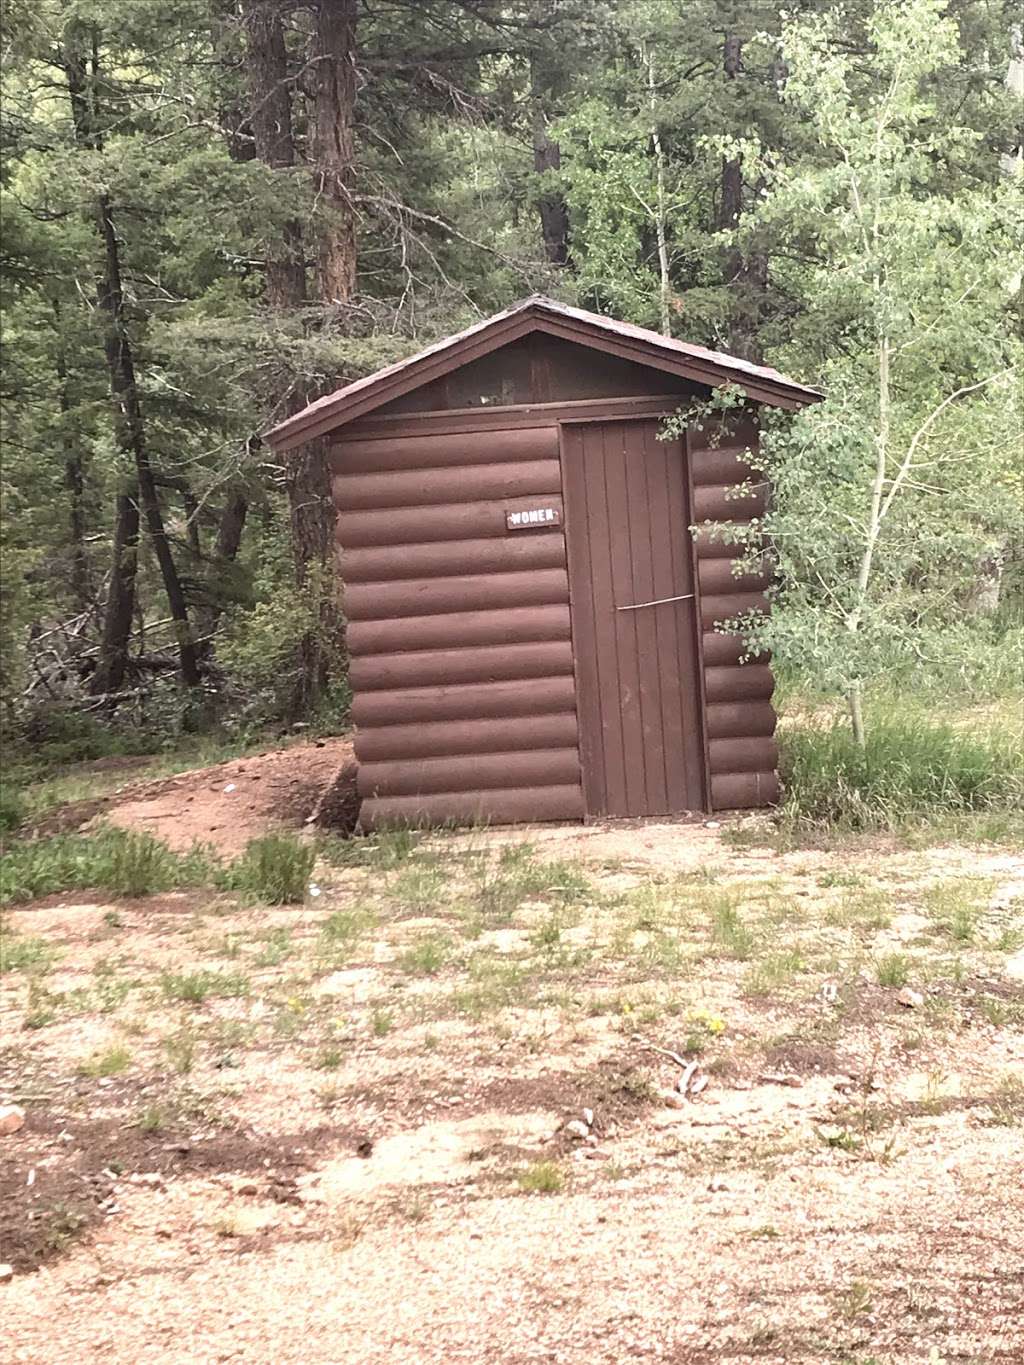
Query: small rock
point(12, 1117)
point(673, 1100)
point(716, 1184)
point(364, 1148)
point(577, 1129)
point(911, 999)
point(793, 1081)
point(6, 1273)
point(588, 1117)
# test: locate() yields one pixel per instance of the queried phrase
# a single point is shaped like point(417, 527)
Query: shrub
point(12, 808)
point(274, 869)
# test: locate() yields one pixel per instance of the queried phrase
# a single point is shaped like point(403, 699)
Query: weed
point(329, 1059)
point(40, 1007)
point(728, 930)
point(152, 1119)
point(381, 1022)
point(773, 972)
point(111, 1062)
point(542, 1177)
point(59, 1225)
point(274, 869)
point(112, 919)
point(892, 970)
point(180, 1050)
point(277, 947)
point(19, 954)
point(193, 988)
point(1007, 1102)
point(115, 860)
point(857, 1302)
point(425, 958)
point(12, 808)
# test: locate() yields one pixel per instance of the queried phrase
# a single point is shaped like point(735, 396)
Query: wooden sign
point(533, 518)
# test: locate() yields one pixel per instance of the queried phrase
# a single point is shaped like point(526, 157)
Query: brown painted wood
point(510, 625)
point(434, 450)
point(465, 701)
point(472, 664)
point(445, 522)
point(718, 576)
point(728, 502)
point(744, 791)
point(428, 596)
point(741, 682)
point(555, 731)
point(638, 690)
point(708, 543)
point(498, 807)
point(423, 487)
point(540, 549)
point(735, 719)
point(469, 772)
point(747, 754)
point(721, 465)
point(729, 607)
point(509, 417)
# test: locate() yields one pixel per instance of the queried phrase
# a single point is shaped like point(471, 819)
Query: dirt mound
point(231, 803)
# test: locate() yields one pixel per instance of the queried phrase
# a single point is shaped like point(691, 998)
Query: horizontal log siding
point(459, 635)
point(740, 720)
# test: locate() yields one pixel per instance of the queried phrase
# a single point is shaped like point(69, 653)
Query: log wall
point(739, 718)
point(459, 633)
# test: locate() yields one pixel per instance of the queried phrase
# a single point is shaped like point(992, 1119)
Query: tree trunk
point(333, 146)
point(745, 275)
point(547, 80)
point(120, 605)
point(274, 141)
point(225, 552)
point(131, 435)
point(74, 480)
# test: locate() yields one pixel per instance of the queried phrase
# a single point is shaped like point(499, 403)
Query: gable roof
point(539, 314)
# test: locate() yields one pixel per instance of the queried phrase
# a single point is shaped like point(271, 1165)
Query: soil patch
point(230, 803)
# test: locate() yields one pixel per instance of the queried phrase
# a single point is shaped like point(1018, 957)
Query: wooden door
point(633, 619)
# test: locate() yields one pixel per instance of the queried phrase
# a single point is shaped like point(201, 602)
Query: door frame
point(628, 414)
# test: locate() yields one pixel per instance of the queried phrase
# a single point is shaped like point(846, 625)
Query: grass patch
point(19, 954)
point(111, 1062)
point(728, 930)
point(426, 957)
point(910, 769)
point(892, 970)
point(114, 860)
point(542, 1177)
point(274, 869)
point(192, 988)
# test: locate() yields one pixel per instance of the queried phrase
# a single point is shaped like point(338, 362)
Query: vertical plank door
point(633, 619)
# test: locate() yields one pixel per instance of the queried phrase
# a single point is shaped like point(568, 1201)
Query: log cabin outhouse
point(531, 620)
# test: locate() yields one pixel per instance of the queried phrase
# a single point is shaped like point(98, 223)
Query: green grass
point(542, 1177)
point(25, 954)
point(274, 869)
point(893, 970)
point(111, 1062)
point(113, 860)
point(913, 767)
point(192, 988)
point(426, 957)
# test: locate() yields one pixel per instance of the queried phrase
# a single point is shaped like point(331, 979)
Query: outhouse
point(531, 622)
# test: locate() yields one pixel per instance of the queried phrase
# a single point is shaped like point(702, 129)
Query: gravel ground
point(353, 1147)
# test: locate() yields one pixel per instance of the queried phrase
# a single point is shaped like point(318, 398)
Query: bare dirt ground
point(230, 803)
point(338, 1132)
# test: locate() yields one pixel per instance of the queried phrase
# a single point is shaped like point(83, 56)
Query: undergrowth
point(912, 768)
point(274, 869)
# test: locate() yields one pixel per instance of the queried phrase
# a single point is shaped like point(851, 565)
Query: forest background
point(214, 213)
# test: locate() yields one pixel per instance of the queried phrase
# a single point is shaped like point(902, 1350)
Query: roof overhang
point(712, 368)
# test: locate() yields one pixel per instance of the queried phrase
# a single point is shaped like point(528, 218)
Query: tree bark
point(131, 435)
point(74, 480)
point(546, 79)
point(274, 142)
point(745, 275)
point(333, 146)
